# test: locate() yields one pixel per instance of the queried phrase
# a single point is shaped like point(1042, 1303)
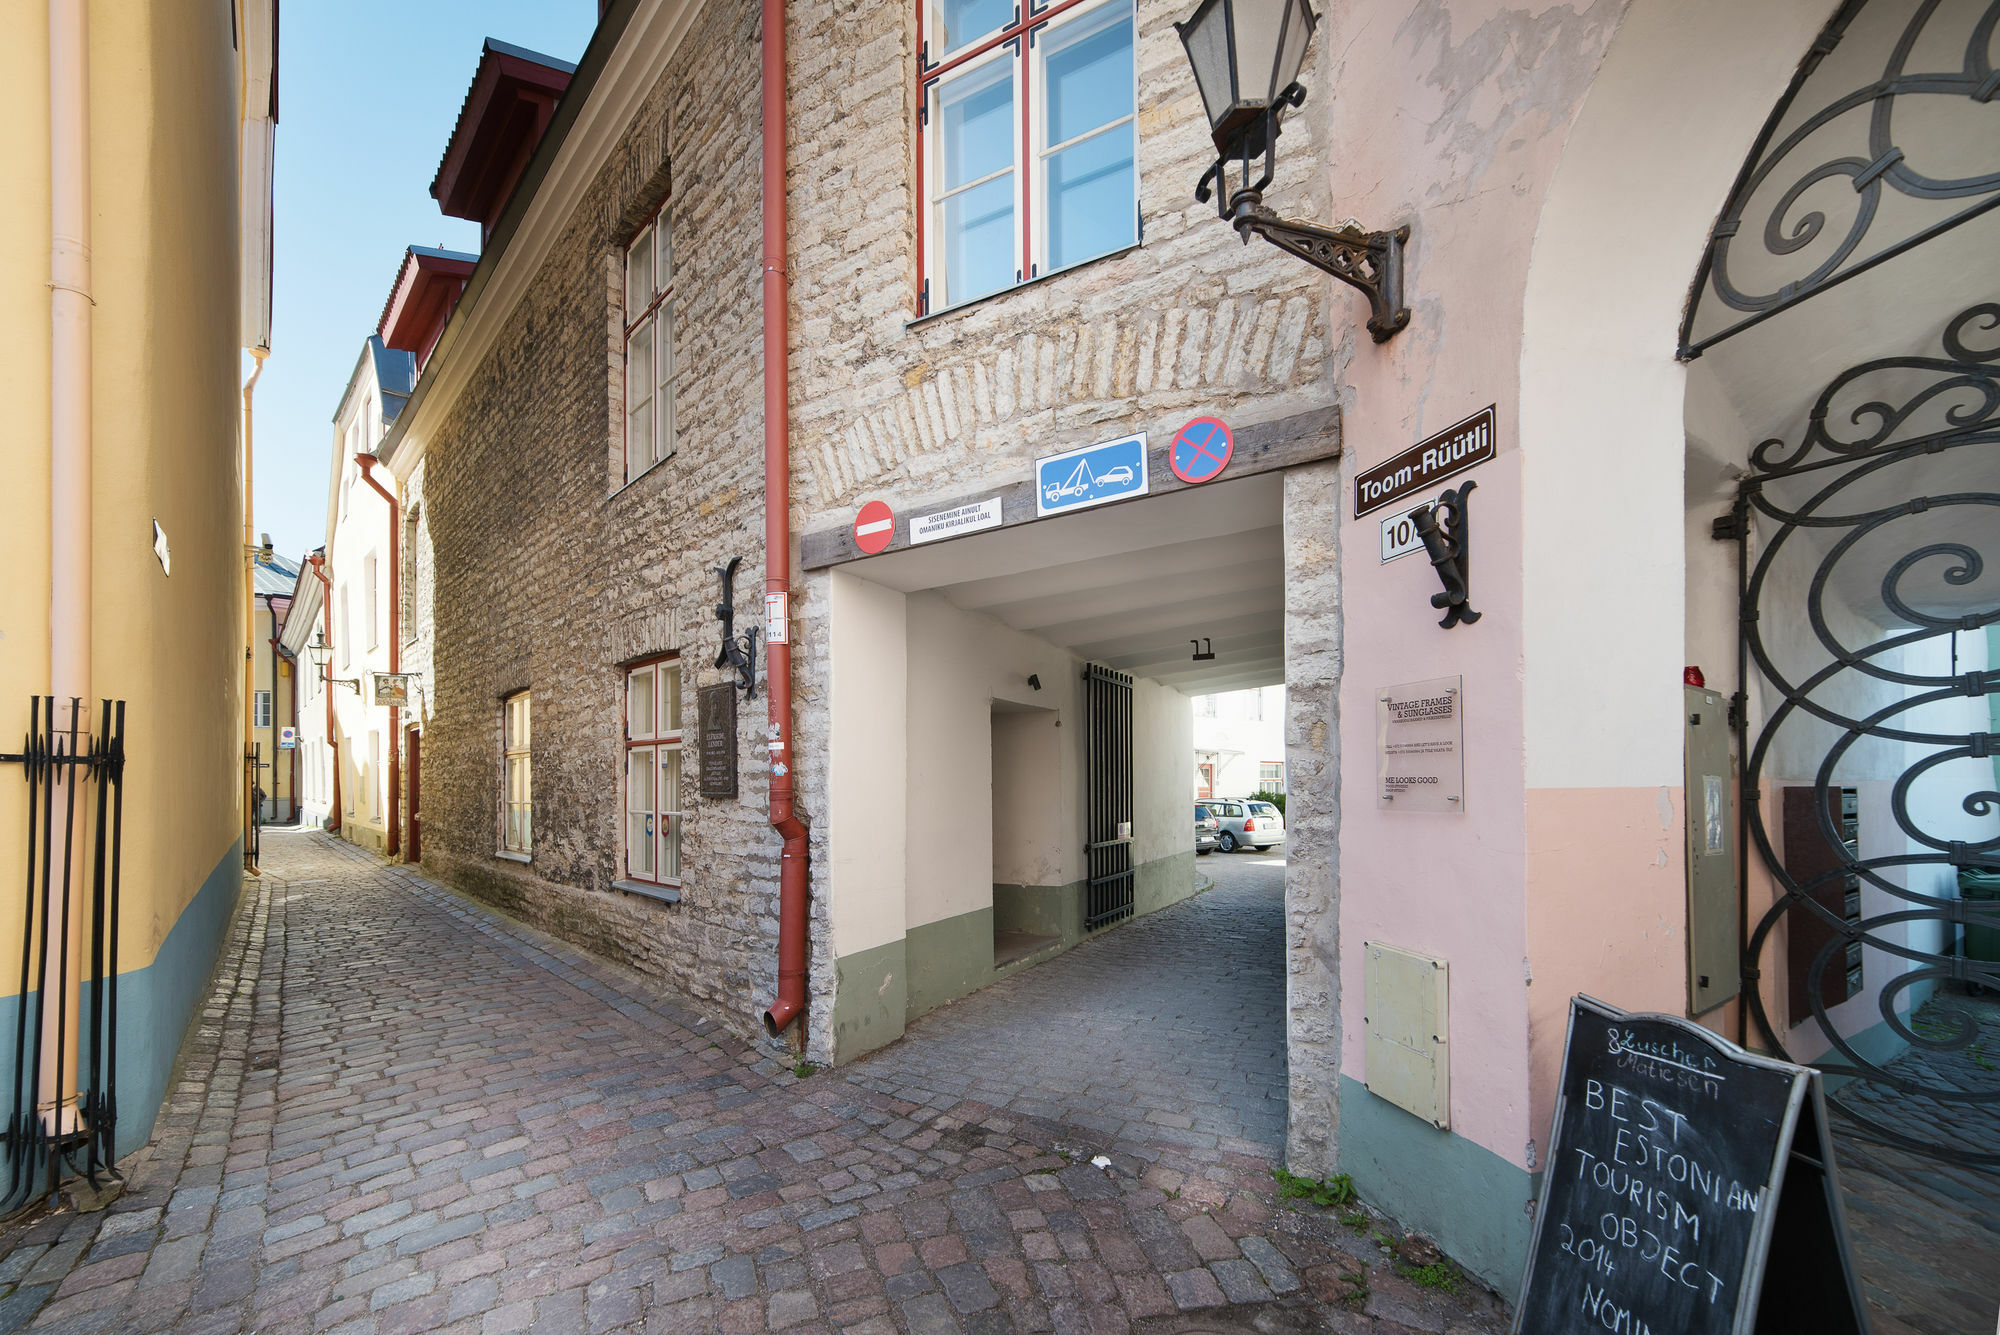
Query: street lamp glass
point(319, 650)
point(1244, 53)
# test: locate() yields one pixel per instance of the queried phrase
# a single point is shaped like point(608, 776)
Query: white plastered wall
point(868, 769)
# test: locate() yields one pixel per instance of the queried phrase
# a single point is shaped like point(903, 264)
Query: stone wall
point(1189, 322)
point(548, 571)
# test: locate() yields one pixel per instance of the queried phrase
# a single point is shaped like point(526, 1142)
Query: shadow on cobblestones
point(399, 1111)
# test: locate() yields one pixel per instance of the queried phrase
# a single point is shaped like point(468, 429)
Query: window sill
point(511, 856)
point(1025, 283)
point(644, 473)
point(666, 894)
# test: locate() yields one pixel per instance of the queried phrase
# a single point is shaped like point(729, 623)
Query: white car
point(1119, 474)
point(1246, 824)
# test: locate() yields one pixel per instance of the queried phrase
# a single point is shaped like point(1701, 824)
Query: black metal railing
point(1108, 796)
point(1878, 513)
point(76, 802)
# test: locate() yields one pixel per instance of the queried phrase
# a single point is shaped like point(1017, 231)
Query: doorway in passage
point(1032, 827)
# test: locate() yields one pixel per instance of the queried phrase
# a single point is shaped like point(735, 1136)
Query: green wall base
point(879, 990)
point(1478, 1207)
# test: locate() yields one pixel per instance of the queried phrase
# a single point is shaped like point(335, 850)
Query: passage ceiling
point(1130, 585)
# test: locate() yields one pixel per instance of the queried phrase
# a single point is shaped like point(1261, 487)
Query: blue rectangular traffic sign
point(1110, 470)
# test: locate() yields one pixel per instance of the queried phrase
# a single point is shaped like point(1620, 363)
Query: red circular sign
point(874, 527)
point(1201, 449)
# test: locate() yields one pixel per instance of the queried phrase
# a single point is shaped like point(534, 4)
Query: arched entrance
point(1845, 337)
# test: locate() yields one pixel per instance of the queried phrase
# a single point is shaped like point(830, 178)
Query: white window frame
point(261, 707)
point(346, 638)
point(653, 736)
point(1025, 42)
point(654, 318)
point(1264, 781)
point(517, 774)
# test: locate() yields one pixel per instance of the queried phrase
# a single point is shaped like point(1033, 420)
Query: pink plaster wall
point(1607, 877)
point(1449, 117)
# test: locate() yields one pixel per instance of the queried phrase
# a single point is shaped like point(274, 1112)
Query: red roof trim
point(510, 104)
point(427, 290)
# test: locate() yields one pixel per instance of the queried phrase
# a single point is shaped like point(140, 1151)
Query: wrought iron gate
point(1863, 577)
point(76, 802)
point(1108, 796)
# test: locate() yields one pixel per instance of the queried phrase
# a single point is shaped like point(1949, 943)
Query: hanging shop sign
point(1201, 450)
point(288, 739)
point(1111, 470)
point(957, 521)
point(1420, 746)
point(1450, 451)
point(1692, 1188)
point(874, 527)
point(717, 709)
point(392, 689)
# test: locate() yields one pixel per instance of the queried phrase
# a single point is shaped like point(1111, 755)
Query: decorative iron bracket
point(1449, 542)
point(737, 651)
point(1371, 262)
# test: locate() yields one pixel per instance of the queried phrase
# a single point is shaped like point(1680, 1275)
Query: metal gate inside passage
point(1108, 796)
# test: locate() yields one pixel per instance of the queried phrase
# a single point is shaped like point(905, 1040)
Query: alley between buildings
point(399, 1112)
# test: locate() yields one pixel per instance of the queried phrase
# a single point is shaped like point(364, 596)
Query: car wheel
point(1203, 852)
point(1226, 842)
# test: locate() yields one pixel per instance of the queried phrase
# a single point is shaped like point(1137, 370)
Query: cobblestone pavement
point(1926, 1234)
point(1167, 1031)
point(399, 1111)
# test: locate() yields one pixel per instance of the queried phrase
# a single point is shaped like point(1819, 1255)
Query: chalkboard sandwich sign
point(1691, 1190)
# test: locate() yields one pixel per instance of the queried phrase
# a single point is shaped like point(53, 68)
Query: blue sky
point(369, 90)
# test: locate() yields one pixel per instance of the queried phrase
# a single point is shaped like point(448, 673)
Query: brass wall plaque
point(718, 740)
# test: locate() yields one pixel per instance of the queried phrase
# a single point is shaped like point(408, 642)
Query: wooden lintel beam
point(1261, 447)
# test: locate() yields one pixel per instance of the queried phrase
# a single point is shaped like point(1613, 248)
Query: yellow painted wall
point(164, 108)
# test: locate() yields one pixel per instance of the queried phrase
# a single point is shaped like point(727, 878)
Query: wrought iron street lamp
point(321, 654)
point(1246, 56)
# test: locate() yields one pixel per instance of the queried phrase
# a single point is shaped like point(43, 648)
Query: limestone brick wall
point(1187, 323)
point(547, 572)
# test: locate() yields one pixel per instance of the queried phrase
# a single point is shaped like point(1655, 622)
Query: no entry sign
point(874, 527)
point(1201, 449)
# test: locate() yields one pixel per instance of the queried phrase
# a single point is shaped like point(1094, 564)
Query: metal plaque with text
point(1420, 746)
point(718, 740)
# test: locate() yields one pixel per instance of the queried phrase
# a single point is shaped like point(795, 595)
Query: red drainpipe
point(318, 562)
point(367, 463)
point(791, 1000)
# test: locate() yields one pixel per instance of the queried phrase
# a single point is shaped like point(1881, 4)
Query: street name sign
point(1450, 451)
point(1691, 1190)
point(1111, 470)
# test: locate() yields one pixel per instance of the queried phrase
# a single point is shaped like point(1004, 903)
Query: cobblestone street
point(401, 1112)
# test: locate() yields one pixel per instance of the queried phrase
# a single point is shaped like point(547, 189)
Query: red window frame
point(663, 295)
point(659, 739)
point(1028, 16)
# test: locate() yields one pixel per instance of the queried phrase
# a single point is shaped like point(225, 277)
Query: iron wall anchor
point(1446, 535)
point(737, 651)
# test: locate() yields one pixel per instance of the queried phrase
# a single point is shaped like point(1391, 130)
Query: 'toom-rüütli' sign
point(1452, 450)
point(1690, 1190)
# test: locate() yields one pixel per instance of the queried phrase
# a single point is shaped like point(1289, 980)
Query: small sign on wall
point(392, 689)
point(1420, 746)
point(718, 740)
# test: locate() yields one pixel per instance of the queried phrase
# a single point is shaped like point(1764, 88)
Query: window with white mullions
point(649, 346)
point(517, 834)
point(1028, 150)
point(653, 772)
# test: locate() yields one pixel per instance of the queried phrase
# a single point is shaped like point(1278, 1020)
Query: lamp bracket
point(1369, 261)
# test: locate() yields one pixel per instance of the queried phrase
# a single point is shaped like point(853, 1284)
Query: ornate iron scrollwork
point(1854, 502)
point(1766, 253)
